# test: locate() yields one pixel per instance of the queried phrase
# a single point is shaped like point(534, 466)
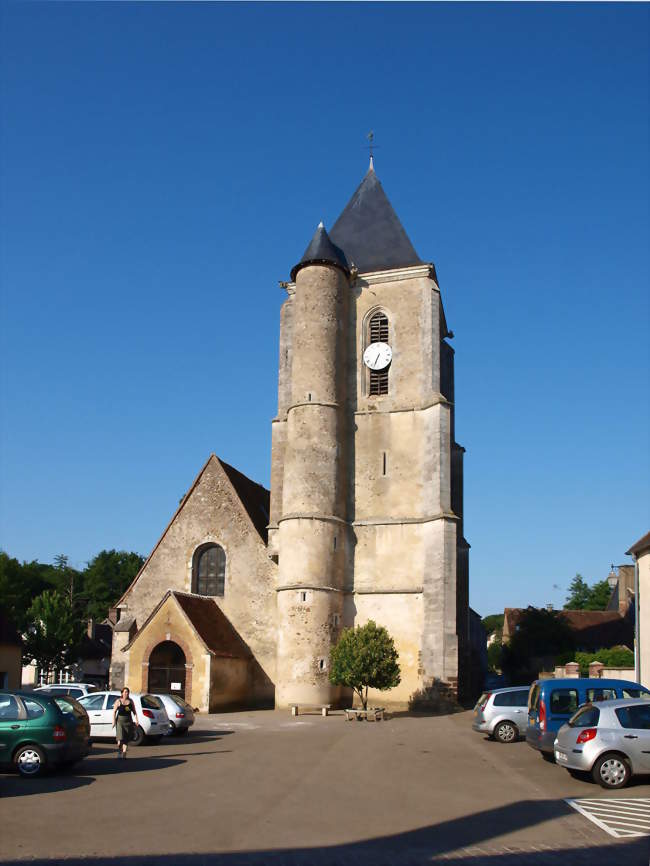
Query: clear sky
point(163, 166)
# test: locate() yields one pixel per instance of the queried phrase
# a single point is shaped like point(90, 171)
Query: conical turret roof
point(321, 251)
point(369, 231)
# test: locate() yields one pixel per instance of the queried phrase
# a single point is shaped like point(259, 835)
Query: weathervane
point(371, 146)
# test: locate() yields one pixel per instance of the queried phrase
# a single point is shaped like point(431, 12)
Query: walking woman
point(124, 720)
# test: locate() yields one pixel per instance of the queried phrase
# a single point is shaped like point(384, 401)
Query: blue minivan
point(551, 703)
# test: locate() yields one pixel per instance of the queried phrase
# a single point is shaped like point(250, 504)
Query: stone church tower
point(366, 482)
point(243, 596)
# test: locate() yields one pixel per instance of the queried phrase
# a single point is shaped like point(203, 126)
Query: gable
point(201, 619)
point(221, 502)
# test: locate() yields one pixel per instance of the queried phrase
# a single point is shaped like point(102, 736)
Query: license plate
point(561, 756)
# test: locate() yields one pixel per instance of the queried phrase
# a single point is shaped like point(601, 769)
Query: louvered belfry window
point(210, 570)
point(378, 334)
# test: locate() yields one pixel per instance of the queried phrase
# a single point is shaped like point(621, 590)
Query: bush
point(615, 657)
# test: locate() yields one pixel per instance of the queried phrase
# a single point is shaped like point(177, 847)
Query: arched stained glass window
point(209, 570)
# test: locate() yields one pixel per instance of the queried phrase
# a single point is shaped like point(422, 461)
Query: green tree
point(540, 635)
point(584, 597)
point(365, 657)
point(106, 577)
point(55, 631)
point(493, 623)
point(599, 596)
point(20, 584)
point(579, 594)
point(494, 653)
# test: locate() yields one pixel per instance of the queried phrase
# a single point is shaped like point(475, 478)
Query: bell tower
point(366, 480)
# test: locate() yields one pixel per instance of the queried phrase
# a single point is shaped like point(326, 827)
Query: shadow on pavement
point(463, 841)
point(83, 773)
point(14, 786)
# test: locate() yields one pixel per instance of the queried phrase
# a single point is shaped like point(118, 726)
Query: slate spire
point(369, 231)
point(321, 251)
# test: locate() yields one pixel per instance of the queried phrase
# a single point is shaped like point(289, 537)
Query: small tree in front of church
point(365, 657)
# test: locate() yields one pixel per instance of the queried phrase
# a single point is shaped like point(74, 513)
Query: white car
point(153, 721)
point(75, 690)
point(181, 714)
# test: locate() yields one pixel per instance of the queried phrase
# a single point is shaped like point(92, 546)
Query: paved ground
point(263, 788)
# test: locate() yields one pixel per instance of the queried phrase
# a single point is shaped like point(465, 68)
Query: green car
point(39, 731)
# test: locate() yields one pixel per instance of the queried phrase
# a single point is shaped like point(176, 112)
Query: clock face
point(377, 356)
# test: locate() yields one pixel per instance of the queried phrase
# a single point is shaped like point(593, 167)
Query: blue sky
point(163, 166)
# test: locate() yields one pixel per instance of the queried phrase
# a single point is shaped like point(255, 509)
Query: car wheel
point(139, 736)
point(505, 732)
point(611, 771)
point(29, 760)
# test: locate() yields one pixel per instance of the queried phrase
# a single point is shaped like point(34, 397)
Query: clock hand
point(377, 358)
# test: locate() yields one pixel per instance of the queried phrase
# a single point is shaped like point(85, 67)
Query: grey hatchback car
point(610, 740)
point(502, 713)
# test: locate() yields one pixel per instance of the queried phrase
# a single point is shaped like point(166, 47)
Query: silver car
point(610, 740)
point(502, 713)
point(181, 714)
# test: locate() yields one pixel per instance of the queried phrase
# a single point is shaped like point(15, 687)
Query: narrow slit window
point(384, 466)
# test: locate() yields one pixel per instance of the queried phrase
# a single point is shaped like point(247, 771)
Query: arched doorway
point(167, 669)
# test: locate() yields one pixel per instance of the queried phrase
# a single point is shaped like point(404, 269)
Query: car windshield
point(533, 698)
point(482, 700)
point(151, 702)
point(70, 707)
point(586, 717)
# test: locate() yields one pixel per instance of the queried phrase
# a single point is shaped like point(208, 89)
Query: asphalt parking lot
point(265, 788)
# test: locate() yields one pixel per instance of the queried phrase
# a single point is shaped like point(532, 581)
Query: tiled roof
point(641, 545)
point(255, 498)
point(321, 251)
point(369, 231)
point(212, 625)
point(593, 629)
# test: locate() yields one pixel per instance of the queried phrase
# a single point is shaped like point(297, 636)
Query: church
point(247, 590)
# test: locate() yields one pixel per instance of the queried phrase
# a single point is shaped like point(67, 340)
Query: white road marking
point(621, 818)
